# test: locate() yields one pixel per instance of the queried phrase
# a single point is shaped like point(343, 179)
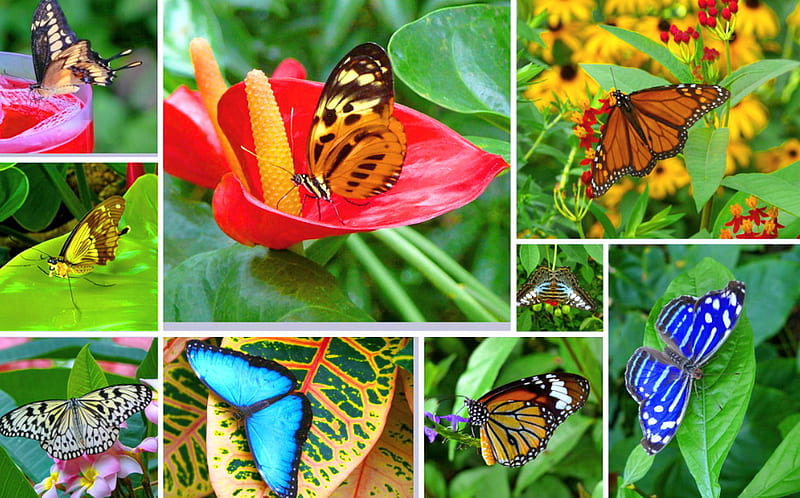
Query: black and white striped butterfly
point(61, 61)
point(67, 429)
point(560, 285)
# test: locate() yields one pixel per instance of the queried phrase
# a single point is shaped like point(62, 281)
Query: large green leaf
point(458, 58)
point(244, 284)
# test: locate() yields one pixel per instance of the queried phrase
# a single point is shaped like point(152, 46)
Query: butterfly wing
point(67, 429)
point(356, 144)
point(662, 389)
point(537, 283)
point(697, 327)
point(276, 435)
point(95, 238)
point(50, 35)
point(277, 422)
point(570, 292)
point(517, 419)
point(647, 126)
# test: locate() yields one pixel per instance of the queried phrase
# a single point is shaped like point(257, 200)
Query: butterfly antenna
point(123, 54)
point(291, 173)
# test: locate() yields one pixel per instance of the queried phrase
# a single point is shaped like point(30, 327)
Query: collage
point(236, 236)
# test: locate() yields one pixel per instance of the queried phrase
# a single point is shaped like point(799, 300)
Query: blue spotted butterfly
point(277, 420)
point(693, 329)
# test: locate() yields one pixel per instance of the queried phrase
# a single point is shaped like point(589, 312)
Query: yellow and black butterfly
point(356, 146)
point(92, 242)
point(61, 61)
point(516, 420)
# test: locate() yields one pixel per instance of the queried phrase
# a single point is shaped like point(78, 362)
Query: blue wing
point(276, 422)
point(662, 390)
point(697, 327)
point(276, 435)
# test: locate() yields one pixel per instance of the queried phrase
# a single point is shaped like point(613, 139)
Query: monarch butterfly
point(67, 429)
point(649, 125)
point(61, 61)
point(356, 147)
point(560, 285)
point(92, 242)
point(516, 420)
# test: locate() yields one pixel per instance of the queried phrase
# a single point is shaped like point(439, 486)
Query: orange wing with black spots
point(516, 420)
point(647, 126)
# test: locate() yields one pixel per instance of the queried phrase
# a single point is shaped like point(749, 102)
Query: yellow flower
point(794, 17)
point(630, 6)
point(778, 157)
point(738, 154)
point(744, 49)
point(564, 11)
point(756, 18)
point(566, 82)
point(666, 178)
point(748, 118)
point(571, 35)
point(613, 197)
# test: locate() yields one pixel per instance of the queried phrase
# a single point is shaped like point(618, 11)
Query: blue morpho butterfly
point(693, 329)
point(276, 420)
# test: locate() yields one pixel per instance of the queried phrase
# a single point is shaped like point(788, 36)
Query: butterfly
point(693, 329)
point(92, 242)
point(61, 61)
point(67, 429)
point(649, 125)
point(516, 420)
point(546, 285)
point(356, 147)
point(276, 420)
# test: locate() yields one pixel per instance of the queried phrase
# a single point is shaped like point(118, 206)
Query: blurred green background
point(126, 113)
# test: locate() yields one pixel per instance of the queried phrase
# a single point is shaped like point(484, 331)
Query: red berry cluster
point(679, 35)
point(709, 12)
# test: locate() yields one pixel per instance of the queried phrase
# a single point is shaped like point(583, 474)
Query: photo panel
point(701, 345)
point(80, 247)
point(376, 153)
point(78, 414)
point(290, 416)
point(646, 120)
point(499, 400)
point(560, 287)
point(57, 57)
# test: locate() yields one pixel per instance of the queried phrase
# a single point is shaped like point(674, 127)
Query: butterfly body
point(356, 146)
point(693, 330)
point(648, 125)
point(560, 285)
point(61, 61)
point(92, 242)
point(516, 420)
point(276, 420)
point(67, 429)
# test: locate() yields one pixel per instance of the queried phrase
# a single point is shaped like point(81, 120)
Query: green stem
point(387, 282)
point(705, 214)
point(67, 195)
point(440, 279)
point(541, 136)
point(497, 305)
point(84, 192)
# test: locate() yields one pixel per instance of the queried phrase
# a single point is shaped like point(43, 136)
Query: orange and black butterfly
point(516, 420)
point(61, 61)
point(92, 242)
point(356, 146)
point(649, 125)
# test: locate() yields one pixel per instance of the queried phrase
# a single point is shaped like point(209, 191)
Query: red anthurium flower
point(442, 171)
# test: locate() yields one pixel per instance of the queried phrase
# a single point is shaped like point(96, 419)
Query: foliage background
point(639, 275)
point(125, 114)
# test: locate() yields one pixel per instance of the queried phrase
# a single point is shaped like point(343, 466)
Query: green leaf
point(748, 79)
point(658, 51)
point(625, 79)
point(124, 295)
point(705, 160)
point(458, 58)
point(778, 188)
point(529, 257)
point(13, 191)
point(14, 482)
point(780, 474)
point(42, 202)
point(245, 284)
